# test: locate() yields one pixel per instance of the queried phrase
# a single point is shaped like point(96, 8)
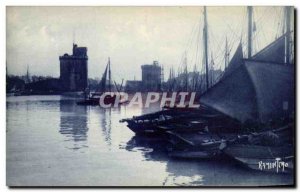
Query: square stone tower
point(74, 69)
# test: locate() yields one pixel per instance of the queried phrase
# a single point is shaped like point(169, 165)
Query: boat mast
point(226, 54)
point(185, 72)
point(205, 47)
point(109, 75)
point(27, 75)
point(250, 10)
point(212, 69)
point(288, 33)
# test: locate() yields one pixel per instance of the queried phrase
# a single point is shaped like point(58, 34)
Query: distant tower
point(151, 77)
point(74, 69)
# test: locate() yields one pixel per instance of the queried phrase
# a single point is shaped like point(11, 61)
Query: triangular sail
point(256, 91)
point(109, 76)
point(102, 84)
point(274, 52)
point(235, 62)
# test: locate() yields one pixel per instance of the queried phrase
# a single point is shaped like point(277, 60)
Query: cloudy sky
point(130, 36)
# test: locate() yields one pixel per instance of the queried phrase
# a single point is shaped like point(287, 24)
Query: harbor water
point(51, 141)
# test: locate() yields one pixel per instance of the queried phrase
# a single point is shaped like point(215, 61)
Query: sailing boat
point(257, 91)
point(94, 98)
point(252, 91)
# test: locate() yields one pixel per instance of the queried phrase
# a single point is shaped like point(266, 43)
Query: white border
point(150, 2)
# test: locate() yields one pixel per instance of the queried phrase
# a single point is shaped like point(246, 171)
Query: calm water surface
point(52, 141)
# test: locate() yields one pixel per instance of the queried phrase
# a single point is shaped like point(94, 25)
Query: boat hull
point(142, 129)
point(191, 154)
point(262, 158)
point(96, 101)
point(88, 102)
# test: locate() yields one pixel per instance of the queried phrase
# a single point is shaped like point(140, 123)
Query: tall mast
point(226, 54)
point(194, 78)
point(27, 75)
point(173, 73)
point(162, 73)
point(73, 36)
point(212, 69)
point(288, 33)
point(109, 75)
point(205, 47)
point(250, 10)
point(185, 72)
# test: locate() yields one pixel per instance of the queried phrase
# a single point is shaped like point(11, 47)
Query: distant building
point(14, 83)
point(133, 86)
point(44, 86)
point(74, 69)
point(151, 77)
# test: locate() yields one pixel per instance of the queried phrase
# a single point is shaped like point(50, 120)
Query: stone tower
point(74, 69)
point(151, 77)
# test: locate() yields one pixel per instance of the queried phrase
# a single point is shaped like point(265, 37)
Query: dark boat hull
point(161, 127)
point(201, 146)
point(254, 156)
point(142, 129)
point(148, 123)
point(95, 101)
point(197, 154)
point(180, 120)
point(88, 102)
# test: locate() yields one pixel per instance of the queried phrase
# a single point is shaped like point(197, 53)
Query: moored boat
point(194, 145)
point(103, 90)
point(173, 119)
point(263, 158)
point(96, 101)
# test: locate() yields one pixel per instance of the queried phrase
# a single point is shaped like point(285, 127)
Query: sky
point(130, 36)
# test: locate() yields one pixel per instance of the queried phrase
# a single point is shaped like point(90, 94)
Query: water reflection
point(73, 123)
point(151, 148)
point(180, 172)
point(105, 118)
point(213, 172)
point(113, 157)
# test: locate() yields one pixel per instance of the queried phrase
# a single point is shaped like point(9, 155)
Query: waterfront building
point(133, 86)
point(151, 77)
point(74, 69)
